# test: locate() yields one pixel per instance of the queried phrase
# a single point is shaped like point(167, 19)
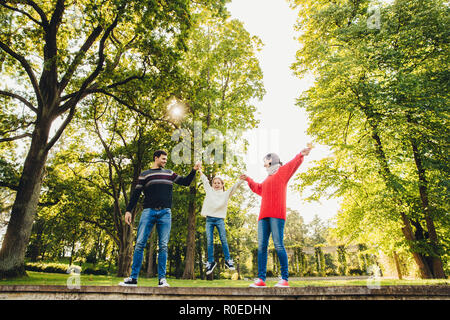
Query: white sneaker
point(163, 283)
point(230, 264)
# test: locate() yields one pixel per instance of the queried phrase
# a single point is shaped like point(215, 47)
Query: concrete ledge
point(403, 292)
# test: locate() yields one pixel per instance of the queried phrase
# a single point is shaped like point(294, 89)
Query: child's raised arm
point(205, 182)
point(235, 186)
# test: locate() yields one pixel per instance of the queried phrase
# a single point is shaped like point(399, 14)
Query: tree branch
point(9, 186)
point(91, 182)
point(98, 225)
point(21, 136)
point(79, 56)
point(61, 129)
point(39, 11)
point(27, 68)
point(131, 107)
point(49, 76)
point(2, 2)
point(94, 88)
point(101, 59)
point(20, 98)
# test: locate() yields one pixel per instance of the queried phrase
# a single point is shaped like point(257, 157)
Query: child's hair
point(220, 179)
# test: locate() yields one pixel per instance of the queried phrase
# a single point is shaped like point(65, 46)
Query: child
point(215, 209)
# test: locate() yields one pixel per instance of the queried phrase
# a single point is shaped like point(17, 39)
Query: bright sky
point(283, 125)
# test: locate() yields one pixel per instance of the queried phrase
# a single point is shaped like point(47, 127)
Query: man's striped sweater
point(157, 185)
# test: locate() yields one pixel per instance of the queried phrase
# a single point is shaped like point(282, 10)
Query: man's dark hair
point(158, 153)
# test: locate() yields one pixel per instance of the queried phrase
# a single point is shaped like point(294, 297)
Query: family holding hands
point(157, 184)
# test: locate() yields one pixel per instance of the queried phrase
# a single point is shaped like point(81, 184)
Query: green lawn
point(40, 278)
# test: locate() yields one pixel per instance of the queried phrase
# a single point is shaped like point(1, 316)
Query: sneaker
point(230, 264)
point(128, 282)
point(163, 283)
point(258, 284)
point(210, 267)
point(282, 284)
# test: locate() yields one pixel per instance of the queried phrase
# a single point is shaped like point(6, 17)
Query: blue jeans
point(276, 227)
point(219, 223)
point(163, 220)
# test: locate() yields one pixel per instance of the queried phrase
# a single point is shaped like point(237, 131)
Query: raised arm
point(254, 186)
point(186, 181)
point(289, 168)
point(234, 187)
point(205, 182)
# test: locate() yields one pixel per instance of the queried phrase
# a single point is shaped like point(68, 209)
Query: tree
point(379, 101)
point(295, 233)
point(59, 53)
point(222, 76)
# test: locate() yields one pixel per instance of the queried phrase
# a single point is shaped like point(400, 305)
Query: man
point(157, 184)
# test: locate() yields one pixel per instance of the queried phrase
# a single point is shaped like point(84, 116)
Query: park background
point(365, 81)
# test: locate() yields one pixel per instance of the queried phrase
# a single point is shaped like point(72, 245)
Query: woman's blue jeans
point(163, 220)
point(275, 226)
point(219, 223)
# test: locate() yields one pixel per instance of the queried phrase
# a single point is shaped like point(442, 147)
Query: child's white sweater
point(215, 203)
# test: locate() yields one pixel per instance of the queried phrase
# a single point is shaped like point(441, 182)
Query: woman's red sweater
point(273, 190)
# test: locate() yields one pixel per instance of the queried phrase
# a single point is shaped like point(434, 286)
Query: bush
point(95, 272)
point(330, 272)
point(355, 272)
point(49, 267)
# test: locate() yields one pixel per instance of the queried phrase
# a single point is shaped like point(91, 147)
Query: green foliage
point(379, 101)
point(46, 267)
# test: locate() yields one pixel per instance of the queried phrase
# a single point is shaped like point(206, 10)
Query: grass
point(40, 278)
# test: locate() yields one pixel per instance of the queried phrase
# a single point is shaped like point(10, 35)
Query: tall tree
point(379, 101)
point(223, 75)
point(57, 54)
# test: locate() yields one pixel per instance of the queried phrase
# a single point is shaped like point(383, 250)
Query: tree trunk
point(420, 260)
point(125, 254)
point(199, 254)
point(177, 260)
point(151, 250)
point(190, 239)
point(12, 253)
point(397, 265)
point(388, 179)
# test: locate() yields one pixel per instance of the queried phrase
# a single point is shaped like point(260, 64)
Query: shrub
point(330, 272)
point(355, 272)
point(96, 272)
point(49, 267)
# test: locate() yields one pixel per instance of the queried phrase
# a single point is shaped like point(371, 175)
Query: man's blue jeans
point(276, 227)
point(163, 220)
point(219, 223)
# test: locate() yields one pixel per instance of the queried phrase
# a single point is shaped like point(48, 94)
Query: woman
point(215, 210)
point(272, 215)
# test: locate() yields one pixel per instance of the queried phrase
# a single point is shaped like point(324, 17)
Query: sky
point(283, 125)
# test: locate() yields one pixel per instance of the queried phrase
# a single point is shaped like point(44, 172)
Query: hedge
point(53, 267)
